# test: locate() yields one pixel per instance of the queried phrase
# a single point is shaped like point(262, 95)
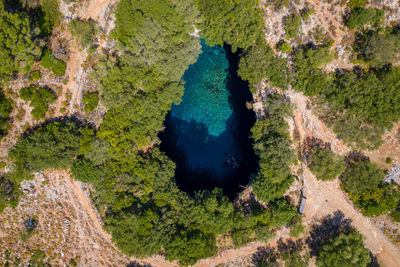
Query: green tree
point(85, 171)
point(344, 250)
point(238, 23)
point(324, 164)
point(50, 146)
point(57, 66)
point(49, 16)
point(259, 63)
point(17, 50)
point(91, 101)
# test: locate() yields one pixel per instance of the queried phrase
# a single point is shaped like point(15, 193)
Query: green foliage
point(84, 31)
point(36, 75)
point(157, 35)
point(188, 247)
point(353, 4)
point(307, 12)
point(238, 23)
point(358, 105)
point(309, 78)
point(39, 98)
point(49, 16)
point(378, 49)
point(259, 63)
point(9, 192)
point(292, 25)
point(324, 164)
point(51, 146)
point(5, 110)
point(363, 181)
point(279, 4)
point(57, 66)
point(17, 50)
point(85, 171)
point(91, 101)
point(272, 145)
point(284, 47)
point(297, 227)
point(362, 16)
point(344, 250)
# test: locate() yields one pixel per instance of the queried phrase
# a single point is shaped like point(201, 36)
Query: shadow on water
point(205, 161)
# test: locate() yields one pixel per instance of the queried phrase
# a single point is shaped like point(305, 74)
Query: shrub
point(363, 181)
point(35, 75)
point(292, 26)
point(17, 50)
point(324, 164)
point(40, 99)
point(362, 16)
point(57, 66)
point(284, 47)
point(84, 31)
point(91, 101)
point(5, 111)
point(307, 12)
point(352, 4)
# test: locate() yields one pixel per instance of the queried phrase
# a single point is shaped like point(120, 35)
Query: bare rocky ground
point(70, 227)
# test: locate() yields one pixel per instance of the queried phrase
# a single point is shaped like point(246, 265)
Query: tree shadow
point(330, 226)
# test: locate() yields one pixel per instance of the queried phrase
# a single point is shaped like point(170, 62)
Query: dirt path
point(324, 198)
point(74, 63)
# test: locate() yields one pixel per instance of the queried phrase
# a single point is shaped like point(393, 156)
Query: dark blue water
point(207, 134)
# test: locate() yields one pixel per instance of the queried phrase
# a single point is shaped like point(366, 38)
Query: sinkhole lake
point(207, 134)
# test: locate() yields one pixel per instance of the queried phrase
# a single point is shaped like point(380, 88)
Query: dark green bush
point(91, 101)
point(57, 66)
point(49, 16)
point(363, 181)
point(51, 146)
point(40, 99)
point(362, 16)
point(5, 111)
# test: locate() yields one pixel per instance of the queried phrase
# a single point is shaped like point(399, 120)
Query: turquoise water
point(206, 97)
point(207, 134)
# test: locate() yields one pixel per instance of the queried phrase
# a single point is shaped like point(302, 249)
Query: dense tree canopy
point(238, 23)
point(259, 63)
point(344, 250)
point(50, 146)
point(17, 50)
point(272, 145)
point(363, 181)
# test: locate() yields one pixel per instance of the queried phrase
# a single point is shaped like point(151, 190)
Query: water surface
point(207, 134)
